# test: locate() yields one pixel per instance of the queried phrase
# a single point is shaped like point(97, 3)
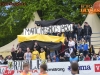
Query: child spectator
point(85, 48)
point(43, 69)
point(71, 45)
point(28, 55)
point(87, 58)
point(42, 54)
point(35, 53)
point(81, 57)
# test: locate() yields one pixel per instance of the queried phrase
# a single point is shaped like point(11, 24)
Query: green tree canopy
point(15, 18)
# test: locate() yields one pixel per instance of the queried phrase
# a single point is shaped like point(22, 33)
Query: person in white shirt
point(71, 45)
point(28, 55)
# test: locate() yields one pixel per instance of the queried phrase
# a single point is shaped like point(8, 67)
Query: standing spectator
point(20, 55)
point(52, 53)
point(28, 55)
point(71, 35)
point(43, 55)
point(81, 57)
point(94, 57)
point(74, 30)
point(66, 43)
point(47, 51)
point(71, 45)
point(14, 53)
point(87, 58)
point(35, 53)
point(87, 31)
point(79, 32)
point(75, 48)
point(17, 47)
point(85, 48)
point(73, 57)
point(48, 58)
point(1, 59)
point(37, 46)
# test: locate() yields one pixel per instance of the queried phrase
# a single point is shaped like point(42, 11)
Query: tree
point(15, 18)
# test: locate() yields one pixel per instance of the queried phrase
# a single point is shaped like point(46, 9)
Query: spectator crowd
point(76, 47)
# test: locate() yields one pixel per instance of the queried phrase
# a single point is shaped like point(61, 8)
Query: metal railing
point(96, 40)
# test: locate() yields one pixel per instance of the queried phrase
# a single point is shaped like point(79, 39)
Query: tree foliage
point(15, 18)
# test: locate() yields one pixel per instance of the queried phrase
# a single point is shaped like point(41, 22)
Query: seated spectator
point(67, 55)
point(48, 58)
point(71, 45)
point(80, 47)
point(28, 55)
point(35, 53)
point(9, 58)
point(91, 50)
point(98, 58)
point(1, 59)
point(55, 59)
point(20, 54)
point(81, 57)
point(73, 57)
point(85, 48)
point(13, 53)
point(87, 58)
point(62, 59)
point(94, 57)
point(42, 54)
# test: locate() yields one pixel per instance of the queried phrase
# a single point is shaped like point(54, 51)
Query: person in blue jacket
point(73, 58)
point(85, 48)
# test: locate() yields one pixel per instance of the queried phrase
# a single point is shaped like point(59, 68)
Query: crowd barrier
point(54, 68)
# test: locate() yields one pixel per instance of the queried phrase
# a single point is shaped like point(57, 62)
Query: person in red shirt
point(87, 58)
